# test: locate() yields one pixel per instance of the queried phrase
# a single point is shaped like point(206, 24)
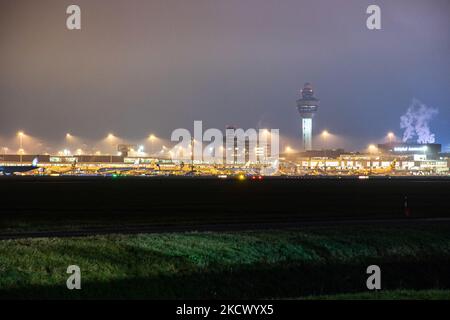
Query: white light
point(410, 148)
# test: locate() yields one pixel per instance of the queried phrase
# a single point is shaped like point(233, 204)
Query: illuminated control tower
point(307, 106)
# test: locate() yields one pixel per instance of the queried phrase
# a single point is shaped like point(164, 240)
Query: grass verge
point(319, 262)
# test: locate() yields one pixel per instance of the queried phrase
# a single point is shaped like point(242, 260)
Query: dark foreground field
point(325, 263)
point(63, 203)
point(295, 261)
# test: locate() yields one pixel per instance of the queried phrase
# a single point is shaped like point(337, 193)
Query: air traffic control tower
point(307, 106)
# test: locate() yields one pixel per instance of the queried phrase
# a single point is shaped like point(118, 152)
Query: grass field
point(315, 262)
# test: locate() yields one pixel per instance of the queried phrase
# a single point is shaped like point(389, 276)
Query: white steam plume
point(416, 122)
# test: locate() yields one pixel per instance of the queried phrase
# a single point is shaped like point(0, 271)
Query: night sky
point(140, 67)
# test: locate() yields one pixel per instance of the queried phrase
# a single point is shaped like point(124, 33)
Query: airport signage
point(411, 149)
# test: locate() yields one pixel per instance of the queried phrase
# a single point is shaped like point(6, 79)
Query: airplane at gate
point(11, 170)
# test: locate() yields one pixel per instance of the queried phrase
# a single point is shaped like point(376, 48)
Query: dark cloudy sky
point(141, 66)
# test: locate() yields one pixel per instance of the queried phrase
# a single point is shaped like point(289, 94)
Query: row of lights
point(21, 135)
point(372, 148)
point(325, 134)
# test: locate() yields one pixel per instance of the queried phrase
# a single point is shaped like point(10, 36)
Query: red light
point(260, 177)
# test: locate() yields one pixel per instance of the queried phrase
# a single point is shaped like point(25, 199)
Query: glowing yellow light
point(20, 133)
point(241, 177)
point(325, 133)
point(68, 135)
point(373, 148)
point(391, 136)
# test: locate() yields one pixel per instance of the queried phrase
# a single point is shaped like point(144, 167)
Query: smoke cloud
point(415, 122)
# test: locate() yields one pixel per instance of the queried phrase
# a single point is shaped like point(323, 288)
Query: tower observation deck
point(307, 106)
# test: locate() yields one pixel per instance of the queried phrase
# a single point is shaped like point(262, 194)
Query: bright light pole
point(151, 138)
point(391, 137)
point(325, 135)
point(372, 148)
point(111, 138)
point(69, 139)
point(192, 146)
point(20, 134)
